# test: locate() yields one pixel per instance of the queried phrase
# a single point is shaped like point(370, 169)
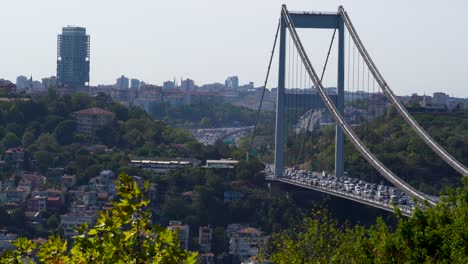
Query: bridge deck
point(405, 210)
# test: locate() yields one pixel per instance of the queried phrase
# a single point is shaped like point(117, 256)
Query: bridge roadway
point(405, 210)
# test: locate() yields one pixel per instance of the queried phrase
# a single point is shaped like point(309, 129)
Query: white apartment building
point(246, 243)
point(70, 221)
point(184, 232)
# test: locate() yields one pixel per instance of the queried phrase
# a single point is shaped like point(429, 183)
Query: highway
point(209, 136)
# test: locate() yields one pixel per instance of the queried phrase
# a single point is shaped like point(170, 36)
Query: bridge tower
point(320, 21)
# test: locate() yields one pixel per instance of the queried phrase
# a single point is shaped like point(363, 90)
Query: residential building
point(135, 84)
point(163, 164)
point(232, 196)
point(6, 240)
point(232, 82)
point(440, 99)
point(54, 203)
point(7, 87)
point(71, 220)
point(249, 87)
point(205, 235)
point(50, 82)
point(221, 164)
point(212, 87)
point(22, 82)
point(91, 119)
point(183, 232)
point(187, 85)
point(168, 85)
point(233, 229)
point(122, 83)
point(25, 184)
point(106, 178)
point(206, 258)
point(73, 56)
point(454, 104)
point(37, 180)
point(14, 154)
point(16, 195)
point(245, 243)
point(90, 198)
point(37, 203)
point(68, 180)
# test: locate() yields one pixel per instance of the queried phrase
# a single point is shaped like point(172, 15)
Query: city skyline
point(239, 43)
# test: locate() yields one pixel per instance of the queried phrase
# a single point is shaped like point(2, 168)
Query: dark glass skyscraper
point(73, 57)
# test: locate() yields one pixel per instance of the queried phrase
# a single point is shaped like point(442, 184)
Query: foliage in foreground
point(123, 234)
point(436, 235)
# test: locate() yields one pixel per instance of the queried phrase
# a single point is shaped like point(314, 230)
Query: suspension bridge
point(361, 96)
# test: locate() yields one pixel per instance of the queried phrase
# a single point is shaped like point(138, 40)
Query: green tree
point(123, 234)
point(11, 140)
point(433, 235)
point(28, 139)
point(44, 159)
point(64, 132)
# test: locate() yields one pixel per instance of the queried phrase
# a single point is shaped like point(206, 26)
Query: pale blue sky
point(419, 46)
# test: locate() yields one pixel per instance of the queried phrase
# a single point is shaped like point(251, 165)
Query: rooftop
point(93, 111)
point(249, 230)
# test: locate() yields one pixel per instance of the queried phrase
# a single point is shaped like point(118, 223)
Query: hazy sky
point(419, 46)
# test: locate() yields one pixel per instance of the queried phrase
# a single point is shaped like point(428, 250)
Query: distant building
point(122, 83)
point(50, 82)
point(168, 85)
point(73, 54)
point(68, 180)
point(163, 164)
point(22, 82)
point(91, 119)
point(184, 232)
point(232, 82)
point(205, 235)
point(426, 101)
point(440, 99)
point(187, 85)
point(454, 104)
point(7, 87)
point(71, 220)
point(54, 203)
point(246, 243)
point(6, 240)
point(249, 87)
point(206, 258)
point(212, 87)
point(221, 164)
point(232, 196)
point(13, 155)
point(37, 203)
point(36, 85)
point(135, 84)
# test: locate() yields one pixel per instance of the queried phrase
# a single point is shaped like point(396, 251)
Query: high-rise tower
point(73, 57)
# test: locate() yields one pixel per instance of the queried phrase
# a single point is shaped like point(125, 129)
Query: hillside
point(396, 145)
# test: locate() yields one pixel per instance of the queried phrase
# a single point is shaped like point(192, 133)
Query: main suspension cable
point(264, 86)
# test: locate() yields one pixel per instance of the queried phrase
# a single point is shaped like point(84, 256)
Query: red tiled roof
point(14, 150)
point(249, 230)
point(93, 111)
